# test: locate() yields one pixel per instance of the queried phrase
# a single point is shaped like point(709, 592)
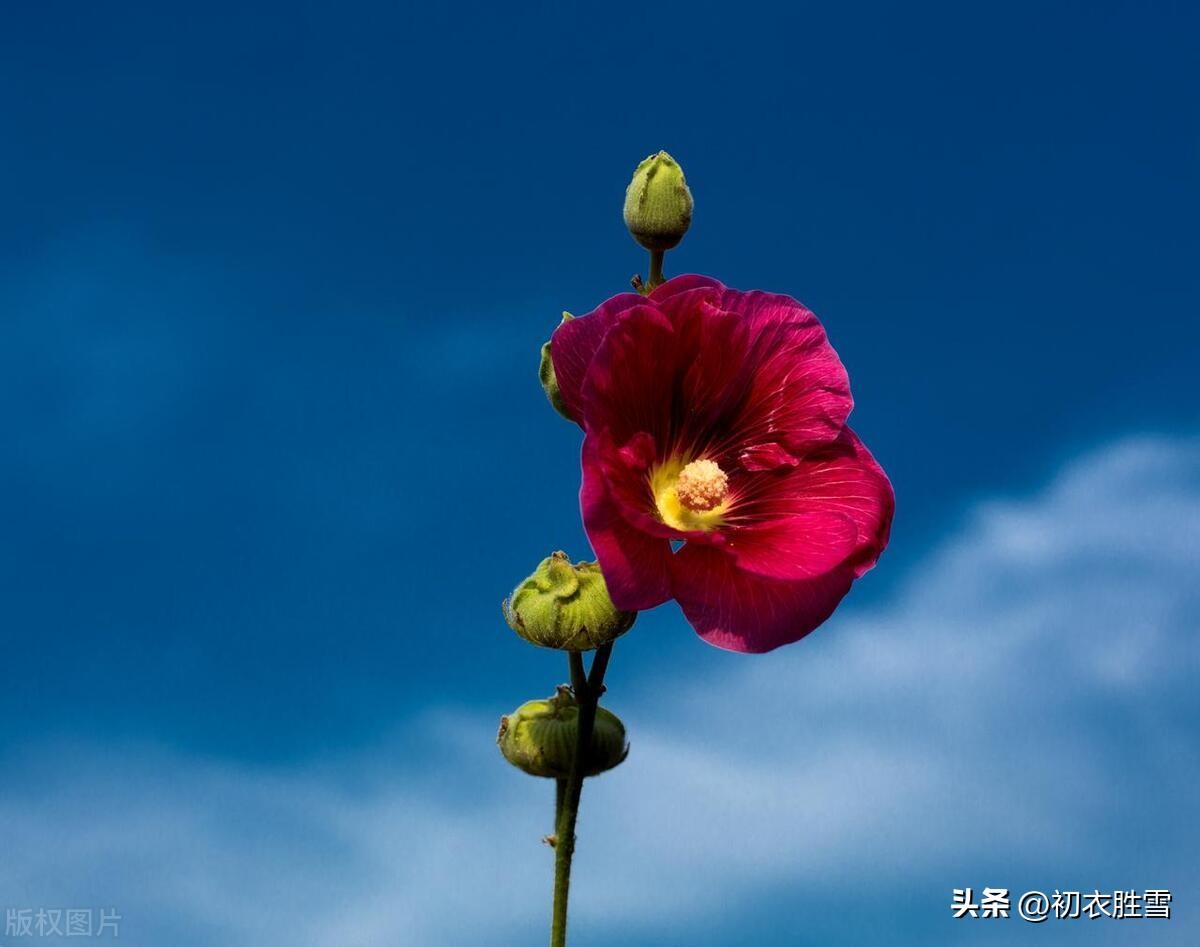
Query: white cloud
point(1027, 699)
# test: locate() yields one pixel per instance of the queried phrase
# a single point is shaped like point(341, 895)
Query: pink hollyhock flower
point(718, 469)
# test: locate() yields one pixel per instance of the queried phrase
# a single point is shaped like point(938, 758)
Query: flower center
point(702, 486)
point(690, 497)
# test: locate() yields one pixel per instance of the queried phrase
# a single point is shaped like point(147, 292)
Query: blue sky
point(273, 282)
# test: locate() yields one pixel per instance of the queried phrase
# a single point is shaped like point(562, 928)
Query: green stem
point(656, 269)
point(587, 689)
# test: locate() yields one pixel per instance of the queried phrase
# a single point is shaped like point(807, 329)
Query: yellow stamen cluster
point(702, 486)
point(690, 497)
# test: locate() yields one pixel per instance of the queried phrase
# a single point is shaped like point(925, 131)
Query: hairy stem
point(655, 278)
point(587, 689)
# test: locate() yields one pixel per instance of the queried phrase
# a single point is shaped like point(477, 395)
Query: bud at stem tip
point(658, 204)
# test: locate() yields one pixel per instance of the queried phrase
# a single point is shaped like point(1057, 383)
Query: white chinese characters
point(1036, 906)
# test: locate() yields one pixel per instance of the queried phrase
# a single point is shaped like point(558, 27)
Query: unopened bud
point(548, 379)
point(539, 737)
point(658, 204)
point(566, 605)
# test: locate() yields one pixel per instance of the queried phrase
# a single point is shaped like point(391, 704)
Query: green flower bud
point(539, 737)
point(548, 379)
point(658, 204)
point(566, 606)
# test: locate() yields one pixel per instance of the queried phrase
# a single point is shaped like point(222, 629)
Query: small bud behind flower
point(548, 379)
point(539, 737)
point(565, 605)
point(658, 204)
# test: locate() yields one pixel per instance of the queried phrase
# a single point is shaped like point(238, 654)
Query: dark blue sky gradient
point(273, 282)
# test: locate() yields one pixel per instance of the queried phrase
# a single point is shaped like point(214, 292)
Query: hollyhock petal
point(687, 283)
point(770, 456)
point(636, 564)
point(630, 381)
point(796, 521)
point(675, 372)
point(725, 373)
point(575, 342)
point(625, 473)
point(741, 611)
point(799, 394)
point(872, 508)
point(799, 546)
point(713, 367)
